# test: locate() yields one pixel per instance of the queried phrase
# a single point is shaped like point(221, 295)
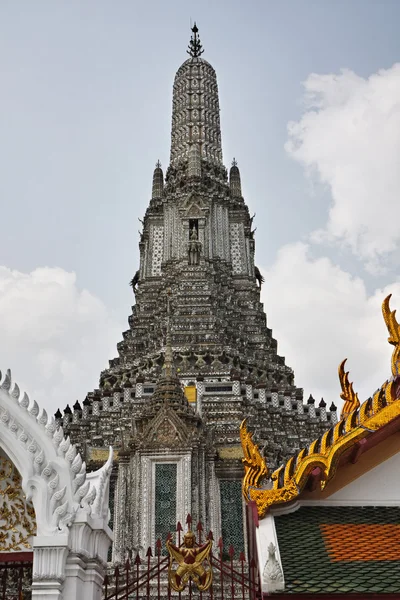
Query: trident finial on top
point(350, 397)
point(195, 47)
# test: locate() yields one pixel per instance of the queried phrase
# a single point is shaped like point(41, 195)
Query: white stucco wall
point(380, 485)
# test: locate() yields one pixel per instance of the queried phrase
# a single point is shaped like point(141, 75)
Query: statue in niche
point(194, 248)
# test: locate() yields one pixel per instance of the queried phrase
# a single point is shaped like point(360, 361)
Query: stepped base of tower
point(218, 327)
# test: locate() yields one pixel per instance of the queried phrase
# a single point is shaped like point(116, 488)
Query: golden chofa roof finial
point(255, 467)
point(394, 334)
point(351, 401)
point(374, 414)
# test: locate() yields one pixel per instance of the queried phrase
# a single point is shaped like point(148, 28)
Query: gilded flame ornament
point(350, 397)
point(255, 467)
point(191, 559)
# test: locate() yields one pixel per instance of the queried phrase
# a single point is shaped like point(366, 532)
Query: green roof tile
point(310, 566)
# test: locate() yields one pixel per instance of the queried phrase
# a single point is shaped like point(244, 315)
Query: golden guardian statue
point(192, 561)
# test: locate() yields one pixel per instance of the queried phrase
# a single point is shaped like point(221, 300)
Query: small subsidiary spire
point(158, 182)
point(195, 48)
point(234, 180)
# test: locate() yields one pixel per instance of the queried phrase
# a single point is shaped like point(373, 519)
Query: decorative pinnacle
point(158, 165)
point(234, 162)
point(195, 47)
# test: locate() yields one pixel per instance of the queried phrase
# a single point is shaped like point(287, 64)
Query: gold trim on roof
point(255, 467)
point(394, 333)
point(324, 453)
point(350, 397)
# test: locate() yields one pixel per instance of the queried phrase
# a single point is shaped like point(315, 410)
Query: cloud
point(349, 139)
point(323, 315)
point(55, 338)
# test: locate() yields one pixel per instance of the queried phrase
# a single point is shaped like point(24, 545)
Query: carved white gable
point(71, 506)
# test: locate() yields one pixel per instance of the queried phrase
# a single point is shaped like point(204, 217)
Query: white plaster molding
point(100, 481)
point(50, 555)
point(71, 506)
point(349, 502)
point(293, 506)
point(52, 471)
point(215, 500)
point(269, 558)
point(285, 509)
point(273, 574)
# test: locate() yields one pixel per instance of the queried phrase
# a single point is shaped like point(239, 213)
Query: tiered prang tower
point(198, 356)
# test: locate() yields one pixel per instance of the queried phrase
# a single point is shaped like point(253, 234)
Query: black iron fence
point(235, 576)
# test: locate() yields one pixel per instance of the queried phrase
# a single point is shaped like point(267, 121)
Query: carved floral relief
point(17, 515)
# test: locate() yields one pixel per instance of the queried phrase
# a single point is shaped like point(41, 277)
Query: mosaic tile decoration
point(232, 515)
point(165, 500)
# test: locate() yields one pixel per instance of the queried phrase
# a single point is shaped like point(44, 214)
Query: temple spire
point(195, 48)
point(195, 108)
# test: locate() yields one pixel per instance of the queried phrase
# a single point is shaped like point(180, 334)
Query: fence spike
point(220, 543)
point(189, 520)
point(158, 544)
point(179, 526)
point(149, 552)
point(137, 559)
point(242, 557)
point(231, 551)
point(169, 536)
point(127, 565)
point(199, 526)
point(210, 535)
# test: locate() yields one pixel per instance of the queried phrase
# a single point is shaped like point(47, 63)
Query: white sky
point(310, 107)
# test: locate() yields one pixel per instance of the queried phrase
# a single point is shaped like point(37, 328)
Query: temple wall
point(380, 485)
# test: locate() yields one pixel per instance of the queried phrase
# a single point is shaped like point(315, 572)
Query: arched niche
point(17, 513)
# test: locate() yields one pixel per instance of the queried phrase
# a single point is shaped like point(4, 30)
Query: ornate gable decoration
point(357, 423)
point(351, 401)
point(193, 207)
point(53, 474)
point(166, 430)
